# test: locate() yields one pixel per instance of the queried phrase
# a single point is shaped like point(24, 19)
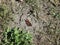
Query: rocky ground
point(43, 17)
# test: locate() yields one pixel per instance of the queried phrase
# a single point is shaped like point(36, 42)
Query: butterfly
point(28, 22)
point(19, 0)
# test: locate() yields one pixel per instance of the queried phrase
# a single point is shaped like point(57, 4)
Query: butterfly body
point(28, 22)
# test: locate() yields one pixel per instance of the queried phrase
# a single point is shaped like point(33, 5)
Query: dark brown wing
point(19, 0)
point(28, 22)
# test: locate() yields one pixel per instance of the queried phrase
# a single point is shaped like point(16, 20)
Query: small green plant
point(16, 36)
